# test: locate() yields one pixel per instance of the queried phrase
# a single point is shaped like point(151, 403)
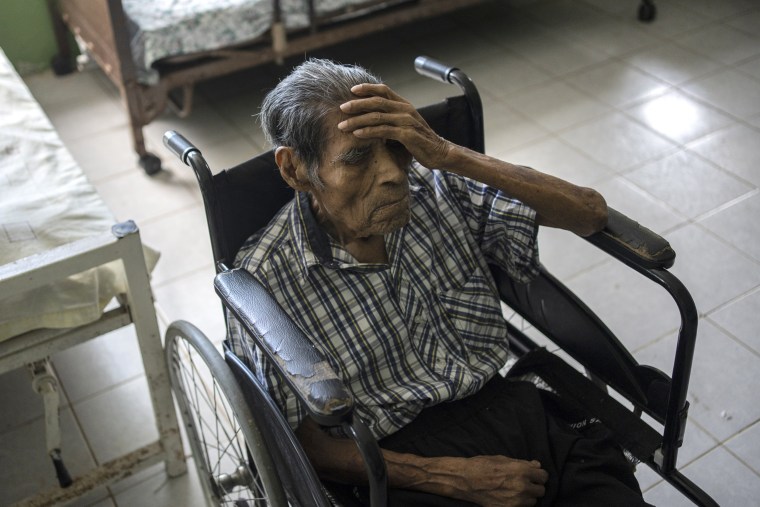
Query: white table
point(62, 260)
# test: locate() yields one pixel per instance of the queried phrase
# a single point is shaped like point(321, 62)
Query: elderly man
point(382, 259)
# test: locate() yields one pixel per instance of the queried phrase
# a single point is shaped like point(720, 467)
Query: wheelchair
point(244, 450)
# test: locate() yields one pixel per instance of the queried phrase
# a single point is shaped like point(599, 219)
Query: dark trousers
point(517, 420)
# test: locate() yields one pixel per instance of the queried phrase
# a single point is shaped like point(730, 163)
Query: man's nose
point(389, 168)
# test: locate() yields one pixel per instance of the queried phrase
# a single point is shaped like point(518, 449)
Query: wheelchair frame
point(545, 303)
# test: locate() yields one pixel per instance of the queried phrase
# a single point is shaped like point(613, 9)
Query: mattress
point(46, 201)
point(164, 28)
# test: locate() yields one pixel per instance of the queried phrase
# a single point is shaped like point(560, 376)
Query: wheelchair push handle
point(434, 69)
point(178, 145)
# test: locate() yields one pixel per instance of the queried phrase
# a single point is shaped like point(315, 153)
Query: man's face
point(366, 191)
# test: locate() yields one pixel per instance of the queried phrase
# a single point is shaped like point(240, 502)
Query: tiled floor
point(662, 118)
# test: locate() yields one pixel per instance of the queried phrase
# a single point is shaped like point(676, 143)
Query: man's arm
point(379, 112)
point(484, 480)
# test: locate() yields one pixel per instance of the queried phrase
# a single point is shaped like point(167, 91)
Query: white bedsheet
point(46, 201)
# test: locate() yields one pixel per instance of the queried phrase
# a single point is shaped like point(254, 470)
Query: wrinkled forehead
point(337, 141)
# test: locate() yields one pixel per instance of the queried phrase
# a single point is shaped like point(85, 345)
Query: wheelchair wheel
point(232, 460)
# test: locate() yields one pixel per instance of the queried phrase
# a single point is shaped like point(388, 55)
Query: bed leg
point(647, 11)
point(61, 62)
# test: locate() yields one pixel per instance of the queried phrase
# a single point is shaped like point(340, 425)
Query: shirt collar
point(312, 243)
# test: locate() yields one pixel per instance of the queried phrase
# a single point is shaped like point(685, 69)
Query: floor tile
point(735, 149)
point(739, 487)
point(679, 117)
point(634, 308)
point(618, 142)
point(722, 43)
point(182, 251)
point(506, 130)
point(16, 391)
point(730, 90)
point(556, 105)
point(751, 67)
point(501, 81)
point(732, 225)
point(672, 63)
point(719, 414)
point(688, 183)
point(160, 491)
point(748, 21)
point(714, 272)
point(129, 412)
point(139, 197)
point(554, 157)
point(32, 470)
point(639, 205)
point(111, 359)
point(192, 298)
point(566, 255)
point(740, 319)
point(746, 446)
point(105, 154)
point(557, 56)
point(617, 83)
point(726, 9)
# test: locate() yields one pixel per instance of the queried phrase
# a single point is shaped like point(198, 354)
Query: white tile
point(17, 392)
point(617, 83)
point(192, 298)
point(746, 446)
point(554, 157)
point(735, 484)
point(105, 154)
point(672, 63)
point(724, 10)
point(679, 117)
point(740, 319)
point(748, 21)
point(688, 183)
point(565, 254)
point(714, 272)
point(736, 226)
point(556, 105)
point(111, 359)
point(720, 415)
point(159, 490)
point(730, 90)
point(638, 205)
point(139, 197)
point(506, 130)
point(182, 238)
point(119, 420)
point(722, 43)
point(751, 67)
point(510, 75)
point(27, 468)
point(618, 142)
point(636, 310)
point(735, 149)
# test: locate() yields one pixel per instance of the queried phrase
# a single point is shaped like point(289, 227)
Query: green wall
point(26, 34)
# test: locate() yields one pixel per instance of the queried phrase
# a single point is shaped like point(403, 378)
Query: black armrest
point(302, 366)
point(632, 243)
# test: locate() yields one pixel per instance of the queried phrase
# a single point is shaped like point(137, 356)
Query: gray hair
point(293, 113)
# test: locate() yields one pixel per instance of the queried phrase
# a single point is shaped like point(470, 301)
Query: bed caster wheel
point(647, 12)
point(150, 163)
point(61, 66)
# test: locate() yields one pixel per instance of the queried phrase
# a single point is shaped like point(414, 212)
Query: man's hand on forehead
point(379, 112)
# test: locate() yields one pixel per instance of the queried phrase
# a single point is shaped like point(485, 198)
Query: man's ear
point(292, 170)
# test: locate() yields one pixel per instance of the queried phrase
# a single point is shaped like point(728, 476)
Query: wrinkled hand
point(379, 112)
point(501, 481)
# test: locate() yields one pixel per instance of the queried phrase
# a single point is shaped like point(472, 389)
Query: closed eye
point(354, 156)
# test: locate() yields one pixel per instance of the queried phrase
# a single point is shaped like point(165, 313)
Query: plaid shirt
point(423, 329)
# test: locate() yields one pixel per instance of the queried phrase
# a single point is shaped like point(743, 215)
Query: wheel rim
point(217, 440)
